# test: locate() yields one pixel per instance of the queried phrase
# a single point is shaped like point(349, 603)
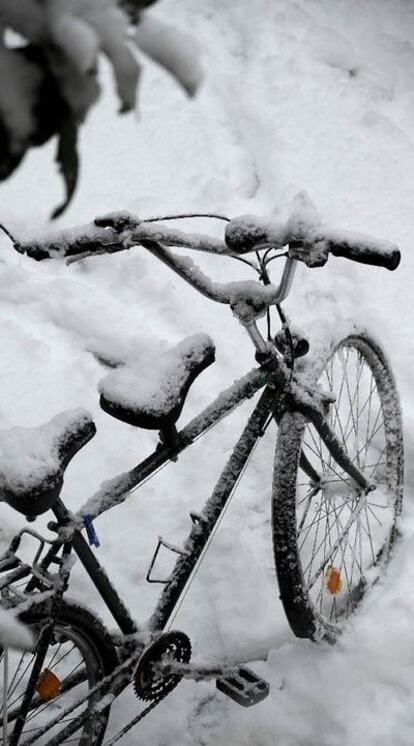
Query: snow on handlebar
point(83, 240)
point(249, 299)
point(115, 232)
point(307, 239)
point(309, 242)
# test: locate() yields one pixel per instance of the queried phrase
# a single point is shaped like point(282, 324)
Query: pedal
point(244, 686)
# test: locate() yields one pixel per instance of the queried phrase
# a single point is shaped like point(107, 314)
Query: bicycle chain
point(135, 721)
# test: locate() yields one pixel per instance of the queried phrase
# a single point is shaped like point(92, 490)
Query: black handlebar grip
point(364, 250)
point(246, 232)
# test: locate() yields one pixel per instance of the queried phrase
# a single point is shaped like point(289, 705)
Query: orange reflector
point(48, 685)
point(333, 579)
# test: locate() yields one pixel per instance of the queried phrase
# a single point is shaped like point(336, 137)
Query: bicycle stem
point(245, 305)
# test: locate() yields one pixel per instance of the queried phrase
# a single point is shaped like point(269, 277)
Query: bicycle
point(336, 494)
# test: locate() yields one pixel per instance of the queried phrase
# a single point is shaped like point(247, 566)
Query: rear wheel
point(80, 654)
point(331, 540)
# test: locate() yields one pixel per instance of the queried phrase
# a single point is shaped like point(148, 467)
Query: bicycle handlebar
point(364, 249)
point(307, 240)
point(313, 246)
point(115, 233)
point(303, 235)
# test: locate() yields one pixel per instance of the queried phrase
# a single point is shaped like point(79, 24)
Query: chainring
point(149, 684)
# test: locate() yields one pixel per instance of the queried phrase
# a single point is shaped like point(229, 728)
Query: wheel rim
point(342, 533)
point(70, 669)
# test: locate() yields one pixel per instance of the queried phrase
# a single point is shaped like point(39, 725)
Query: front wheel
point(80, 654)
point(331, 540)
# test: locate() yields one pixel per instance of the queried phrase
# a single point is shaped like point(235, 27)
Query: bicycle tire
point(322, 575)
point(79, 639)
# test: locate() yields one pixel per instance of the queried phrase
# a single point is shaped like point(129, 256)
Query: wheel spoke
point(72, 667)
point(341, 530)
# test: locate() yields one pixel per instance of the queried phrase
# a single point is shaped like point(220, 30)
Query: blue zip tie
point(90, 530)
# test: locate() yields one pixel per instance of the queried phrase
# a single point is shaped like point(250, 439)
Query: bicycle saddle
point(152, 395)
point(34, 460)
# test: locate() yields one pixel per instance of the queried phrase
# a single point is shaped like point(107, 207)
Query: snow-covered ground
point(313, 95)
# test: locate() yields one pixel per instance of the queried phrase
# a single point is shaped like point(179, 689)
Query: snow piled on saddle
point(32, 456)
point(154, 386)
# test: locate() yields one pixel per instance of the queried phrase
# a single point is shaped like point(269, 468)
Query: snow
point(245, 231)
point(76, 241)
point(127, 231)
point(32, 458)
point(13, 633)
point(281, 109)
point(155, 388)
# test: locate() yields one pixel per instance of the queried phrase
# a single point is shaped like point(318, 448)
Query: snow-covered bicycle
point(336, 495)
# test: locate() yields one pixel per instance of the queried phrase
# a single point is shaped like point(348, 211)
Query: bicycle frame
point(203, 523)
point(283, 393)
point(278, 397)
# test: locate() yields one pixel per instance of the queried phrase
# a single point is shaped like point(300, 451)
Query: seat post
point(169, 437)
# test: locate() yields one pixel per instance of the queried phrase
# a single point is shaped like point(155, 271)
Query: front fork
point(314, 405)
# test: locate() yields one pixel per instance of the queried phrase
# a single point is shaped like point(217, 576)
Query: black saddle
point(153, 395)
point(33, 460)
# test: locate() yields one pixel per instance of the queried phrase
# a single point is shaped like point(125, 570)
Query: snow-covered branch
point(49, 82)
